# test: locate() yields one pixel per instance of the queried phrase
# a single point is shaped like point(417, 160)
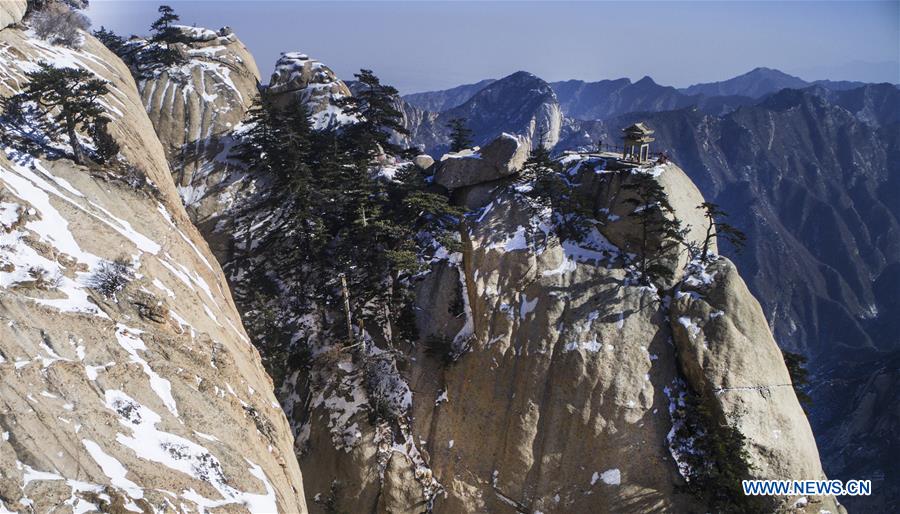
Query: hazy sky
point(426, 45)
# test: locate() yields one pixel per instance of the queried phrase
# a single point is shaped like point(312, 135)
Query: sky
point(429, 45)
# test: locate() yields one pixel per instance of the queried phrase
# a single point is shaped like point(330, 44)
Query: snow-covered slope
point(148, 399)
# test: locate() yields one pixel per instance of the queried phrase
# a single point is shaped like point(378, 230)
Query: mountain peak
point(756, 83)
point(521, 75)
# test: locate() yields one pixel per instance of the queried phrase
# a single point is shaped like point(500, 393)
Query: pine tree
point(162, 27)
point(111, 40)
point(796, 366)
point(107, 147)
point(297, 147)
point(259, 144)
point(717, 459)
point(378, 117)
point(67, 99)
point(717, 228)
point(160, 53)
point(660, 230)
point(550, 187)
point(460, 135)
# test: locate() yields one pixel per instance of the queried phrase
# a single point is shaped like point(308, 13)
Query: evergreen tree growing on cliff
point(107, 147)
point(259, 144)
point(114, 42)
point(162, 27)
point(715, 227)
point(378, 117)
point(66, 99)
point(796, 366)
point(716, 458)
point(660, 230)
point(460, 135)
point(160, 52)
point(550, 187)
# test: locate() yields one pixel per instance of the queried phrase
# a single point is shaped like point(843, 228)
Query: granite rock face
point(11, 11)
point(559, 397)
point(128, 386)
point(559, 392)
point(727, 352)
point(195, 107)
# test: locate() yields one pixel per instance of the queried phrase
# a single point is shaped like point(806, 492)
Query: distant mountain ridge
point(608, 98)
point(755, 83)
point(613, 97)
point(439, 101)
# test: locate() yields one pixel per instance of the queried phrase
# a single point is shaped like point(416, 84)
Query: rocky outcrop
point(727, 352)
point(500, 158)
point(12, 11)
point(299, 78)
point(423, 161)
point(619, 202)
point(195, 106)
point(126, 385)
point(559, 398)
point(824, 249)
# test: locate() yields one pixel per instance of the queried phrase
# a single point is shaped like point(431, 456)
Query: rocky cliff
point(811, 177)
point(196, 106)
point(568, 385)
point(569, 378)
point(298, 78)
point(145, 395)
point(563, 398)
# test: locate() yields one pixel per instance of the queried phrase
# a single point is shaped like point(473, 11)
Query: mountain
point(874, 104)
point(564, 366)
point(439, 101)
point(756, 83)
point(608, 98)
point(813, 184)
point(127, 381)
point(760, 82)
point(520, 103)
point(605, 99)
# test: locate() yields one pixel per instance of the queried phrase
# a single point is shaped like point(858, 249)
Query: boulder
point(501, 157)
point(195, 34)
point(11, 11)
point(423, 161)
